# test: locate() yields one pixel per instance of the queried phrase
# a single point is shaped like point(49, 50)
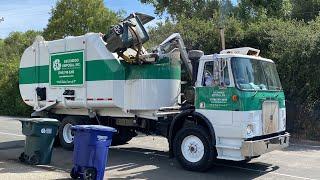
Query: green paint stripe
point(97, 70)
point(32, 75)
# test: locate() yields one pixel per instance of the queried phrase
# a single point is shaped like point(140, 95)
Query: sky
point(23, 15)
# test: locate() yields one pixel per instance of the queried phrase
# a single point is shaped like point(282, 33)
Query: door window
point(213, 76)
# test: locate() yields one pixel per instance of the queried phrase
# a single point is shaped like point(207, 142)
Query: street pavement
point(146, 157)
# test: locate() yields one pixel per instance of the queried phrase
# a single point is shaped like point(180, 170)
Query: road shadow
point(11, 150)
point(11, 145)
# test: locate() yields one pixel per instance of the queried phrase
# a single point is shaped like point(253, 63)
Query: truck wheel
point(193, 148)
point(65, 134)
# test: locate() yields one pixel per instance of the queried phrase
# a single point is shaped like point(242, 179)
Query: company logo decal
point(46, 131)
point(56, 65)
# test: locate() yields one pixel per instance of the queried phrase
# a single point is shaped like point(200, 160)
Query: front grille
point(270, 116)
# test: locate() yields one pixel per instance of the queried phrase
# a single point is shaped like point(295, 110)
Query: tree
point(16, 43)
point(201, 9)
point(249, 10)
point(11, 49)
point(305, 10)
point(77, 17)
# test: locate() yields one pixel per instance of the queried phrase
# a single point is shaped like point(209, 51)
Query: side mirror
point(222, 66)
point(216, 71)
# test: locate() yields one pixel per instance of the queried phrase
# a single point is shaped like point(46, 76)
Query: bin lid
point(41, 120)
point(94, 127)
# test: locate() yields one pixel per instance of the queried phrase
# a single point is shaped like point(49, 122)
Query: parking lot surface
point(146, 157)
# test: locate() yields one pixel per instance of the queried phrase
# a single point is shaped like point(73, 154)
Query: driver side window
point(212, 76)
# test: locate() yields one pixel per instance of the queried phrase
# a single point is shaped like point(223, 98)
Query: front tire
point(65, 134)
point(193, 148)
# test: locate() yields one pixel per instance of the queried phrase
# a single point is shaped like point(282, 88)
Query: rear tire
point(193, 148)
point(65, 133)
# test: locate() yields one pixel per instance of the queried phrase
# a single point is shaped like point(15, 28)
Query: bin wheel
point(89, 174)
point(74, 174)
point(34, 160)
point(22, 157)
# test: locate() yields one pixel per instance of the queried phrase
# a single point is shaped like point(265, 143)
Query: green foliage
point(77, 17)
point(195, 37)
point(202, 9)
point(305, 10)
point(249, 10)
point(198, 33)
point(11, 50)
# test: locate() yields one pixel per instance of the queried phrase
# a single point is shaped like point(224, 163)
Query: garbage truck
point(228, 105)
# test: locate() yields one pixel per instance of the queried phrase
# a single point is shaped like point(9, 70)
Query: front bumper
point(262, 146)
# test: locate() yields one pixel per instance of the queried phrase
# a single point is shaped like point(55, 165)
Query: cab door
point(214, 92)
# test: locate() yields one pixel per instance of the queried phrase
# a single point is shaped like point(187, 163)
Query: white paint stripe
point(236, 167)
point(11, 134)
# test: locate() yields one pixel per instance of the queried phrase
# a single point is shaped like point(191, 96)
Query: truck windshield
point(251, 74)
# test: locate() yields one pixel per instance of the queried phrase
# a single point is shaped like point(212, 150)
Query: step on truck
point(228, 105)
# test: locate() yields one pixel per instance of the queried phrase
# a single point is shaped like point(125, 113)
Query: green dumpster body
point(40, 134)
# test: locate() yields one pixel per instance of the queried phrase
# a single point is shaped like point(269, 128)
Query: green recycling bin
point(40, 134)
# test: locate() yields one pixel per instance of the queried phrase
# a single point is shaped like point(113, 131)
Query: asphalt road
point(146, 157)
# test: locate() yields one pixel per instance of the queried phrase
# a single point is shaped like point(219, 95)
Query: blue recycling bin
point(91, 145)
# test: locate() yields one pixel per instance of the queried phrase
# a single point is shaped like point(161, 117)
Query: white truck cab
point(238, 96)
